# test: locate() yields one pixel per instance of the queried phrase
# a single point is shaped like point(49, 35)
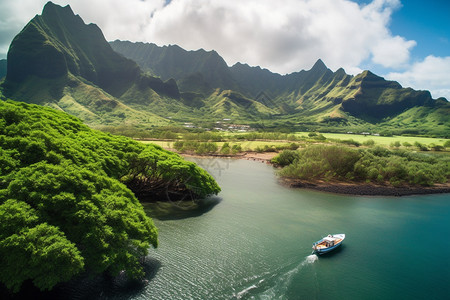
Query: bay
point(256, 243)
point(253, 241)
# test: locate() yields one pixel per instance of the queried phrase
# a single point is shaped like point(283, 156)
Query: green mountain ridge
point(318, 95)
point(59, 61)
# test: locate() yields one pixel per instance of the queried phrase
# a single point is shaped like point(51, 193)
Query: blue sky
point(403, 40)
point(426, 22)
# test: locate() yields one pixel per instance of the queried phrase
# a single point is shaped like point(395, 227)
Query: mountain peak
point(61, 44)
point(340, 71)
point(51, 8)
point(367, 73)
point(319, 65)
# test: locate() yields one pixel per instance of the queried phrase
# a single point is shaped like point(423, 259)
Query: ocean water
point(253, 241)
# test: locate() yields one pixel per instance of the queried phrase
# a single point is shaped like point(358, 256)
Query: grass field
point(258, 145)
point(380, 140)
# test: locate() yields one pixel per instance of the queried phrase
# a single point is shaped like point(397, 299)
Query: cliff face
point(379, 98)
point(3, 66)
point(58, 42)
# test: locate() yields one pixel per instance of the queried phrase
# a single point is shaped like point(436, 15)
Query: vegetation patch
point(375, 165)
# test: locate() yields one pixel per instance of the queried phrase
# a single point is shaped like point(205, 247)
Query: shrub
point(420, 146)
point(406, 144)
point(225, 150)
point(369, 143)
point(236, 149)
point(351, 142)
point(286, 157)
point(395, 144)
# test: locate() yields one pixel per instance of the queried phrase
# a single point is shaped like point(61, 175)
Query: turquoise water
point(254, 240)
point(256, 244)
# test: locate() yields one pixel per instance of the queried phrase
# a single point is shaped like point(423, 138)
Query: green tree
point(225, 150)
point(236, 149)
point(406, 144)
point(64, 207)
point(286, 157)
point(420, 146)
point(369, 143)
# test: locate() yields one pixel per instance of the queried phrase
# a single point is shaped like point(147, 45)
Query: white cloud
point(283, 36)
point(430, 74)
point(118, 19)
point(286, 35)
point(14, 15)
point(393, 52)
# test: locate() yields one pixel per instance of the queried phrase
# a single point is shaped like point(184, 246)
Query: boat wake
point(247, 290)
point(275, 284)
point(310, 259)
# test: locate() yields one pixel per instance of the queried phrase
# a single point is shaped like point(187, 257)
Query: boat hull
point(327, 250)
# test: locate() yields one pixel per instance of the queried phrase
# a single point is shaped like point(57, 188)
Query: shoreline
point(365, 189)
point(339, 187)
point(264, 157)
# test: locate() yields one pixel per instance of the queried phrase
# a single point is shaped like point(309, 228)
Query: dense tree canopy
point(378, 165)
point(65, 201)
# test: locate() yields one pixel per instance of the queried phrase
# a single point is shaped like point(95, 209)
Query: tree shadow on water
point(180, 210)
point(90, 287)
point(123, 287)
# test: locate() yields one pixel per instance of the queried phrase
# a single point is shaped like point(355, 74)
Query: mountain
point(2, 68)
point(58, 60)
point(195, 71)
point(318, 95)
